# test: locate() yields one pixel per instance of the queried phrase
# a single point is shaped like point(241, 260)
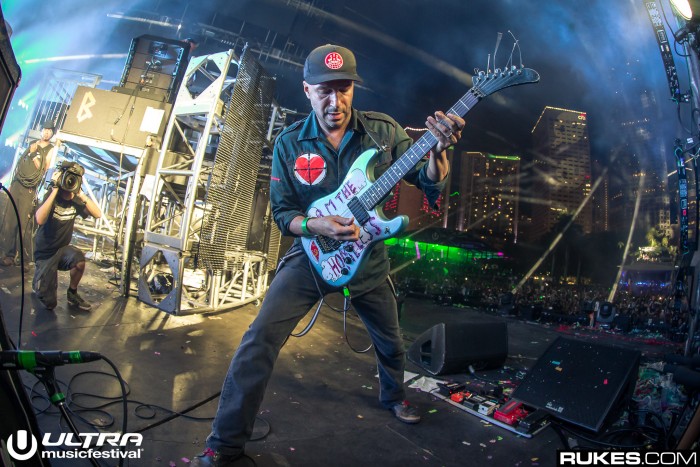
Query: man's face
point(46, 134)
point(332, 102)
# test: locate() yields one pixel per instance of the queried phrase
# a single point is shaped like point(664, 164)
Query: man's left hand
point(447, 128)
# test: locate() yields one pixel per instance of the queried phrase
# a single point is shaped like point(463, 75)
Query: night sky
point(597, 56)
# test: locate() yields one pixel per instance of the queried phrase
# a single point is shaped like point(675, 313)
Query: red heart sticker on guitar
point(310, 169)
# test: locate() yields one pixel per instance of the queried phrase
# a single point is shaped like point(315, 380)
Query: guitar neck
point(384, 184)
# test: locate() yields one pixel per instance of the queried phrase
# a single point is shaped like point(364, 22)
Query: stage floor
point(321, 405)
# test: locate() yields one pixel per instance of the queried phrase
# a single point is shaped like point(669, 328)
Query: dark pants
point(291, 295)
point(45, 281)
point(9, 237)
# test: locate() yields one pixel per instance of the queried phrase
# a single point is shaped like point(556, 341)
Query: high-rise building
point(482, 196)
point(561, 170)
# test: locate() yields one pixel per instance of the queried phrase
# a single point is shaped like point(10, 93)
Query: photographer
point(30, 170)
point(52, 249)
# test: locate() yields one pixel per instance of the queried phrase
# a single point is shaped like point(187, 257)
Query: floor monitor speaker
point(452, 348)
point(580, 382)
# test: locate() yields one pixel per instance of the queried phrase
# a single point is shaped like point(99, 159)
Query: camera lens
point(71, 182)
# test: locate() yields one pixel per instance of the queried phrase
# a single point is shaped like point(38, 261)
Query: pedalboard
point(512, 415)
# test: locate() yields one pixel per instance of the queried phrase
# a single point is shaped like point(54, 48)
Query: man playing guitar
point(311, 160)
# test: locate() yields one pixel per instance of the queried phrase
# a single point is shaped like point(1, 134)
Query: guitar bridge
point(327, 244)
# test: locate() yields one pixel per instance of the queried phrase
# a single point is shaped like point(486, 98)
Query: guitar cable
point(347, 303)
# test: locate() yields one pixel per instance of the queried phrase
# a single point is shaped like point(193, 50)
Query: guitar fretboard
point(386, 182)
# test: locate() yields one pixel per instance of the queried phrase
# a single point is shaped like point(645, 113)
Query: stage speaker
point(606, 313)
point(115, 117)
point(451, 348)
point(580, 382)
point(155, 65)
point(10, 72)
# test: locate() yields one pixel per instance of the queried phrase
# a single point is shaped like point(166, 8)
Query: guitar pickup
point(327, 244)
point(358, 211)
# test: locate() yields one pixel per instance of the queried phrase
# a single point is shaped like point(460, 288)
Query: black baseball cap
point(330, 62)
point(48, 125)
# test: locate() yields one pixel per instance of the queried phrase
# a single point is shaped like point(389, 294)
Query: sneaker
point(405, 413)
point(214, 459)
point(74, 298)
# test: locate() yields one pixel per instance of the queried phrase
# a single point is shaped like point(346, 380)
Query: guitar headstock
point(485, 83)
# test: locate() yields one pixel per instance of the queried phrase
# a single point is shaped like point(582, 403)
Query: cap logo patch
point(334, 61)
point(309, 169)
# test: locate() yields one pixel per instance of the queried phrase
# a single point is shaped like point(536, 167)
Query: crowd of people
point(494, 288)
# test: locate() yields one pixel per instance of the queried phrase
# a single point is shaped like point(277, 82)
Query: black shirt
point(57, 231)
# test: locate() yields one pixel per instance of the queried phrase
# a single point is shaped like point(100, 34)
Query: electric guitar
point(337, 262)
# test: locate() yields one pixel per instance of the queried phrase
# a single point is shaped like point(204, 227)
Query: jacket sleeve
point(283, 199)
point(418, 176)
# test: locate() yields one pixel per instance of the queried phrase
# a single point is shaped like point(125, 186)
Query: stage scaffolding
point(193, 212)
point(196, 254)
point(53, 97)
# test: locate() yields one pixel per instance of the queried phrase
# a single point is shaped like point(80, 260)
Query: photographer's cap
point(330, 62)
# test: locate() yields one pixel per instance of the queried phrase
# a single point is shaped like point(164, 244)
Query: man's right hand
point(54, 178)
point(335, 227)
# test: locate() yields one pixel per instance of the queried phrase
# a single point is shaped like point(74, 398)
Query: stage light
point(682, 8)
point(688, 10)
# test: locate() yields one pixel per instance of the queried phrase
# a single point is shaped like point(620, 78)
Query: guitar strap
point(384, 146)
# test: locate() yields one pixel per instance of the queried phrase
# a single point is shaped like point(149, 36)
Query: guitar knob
point(345, 271)
point(348, 248)
point(348, 260)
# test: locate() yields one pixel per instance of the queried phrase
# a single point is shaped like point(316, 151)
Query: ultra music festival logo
point(22, 446)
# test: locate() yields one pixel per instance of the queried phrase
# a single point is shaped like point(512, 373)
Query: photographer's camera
point(71, 176)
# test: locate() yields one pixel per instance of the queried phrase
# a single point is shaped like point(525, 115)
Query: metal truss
point(168, 210)
point(177, 273)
